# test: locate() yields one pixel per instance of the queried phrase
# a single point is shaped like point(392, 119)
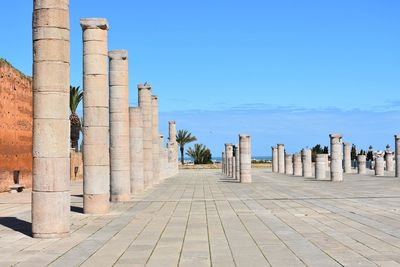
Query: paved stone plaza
point(194, 219)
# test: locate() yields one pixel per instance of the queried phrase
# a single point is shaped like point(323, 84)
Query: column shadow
point(77, 209)
point(17, 225)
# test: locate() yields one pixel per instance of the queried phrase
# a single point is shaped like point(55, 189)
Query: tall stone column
point(307, 163)
point(146, 107)
point(347, 157)
point(234, 167)
point(237, 162)
point(389, 162)
point(274, 159)
point(397, 155)
point(289, 164)
point(336, 157)
point(173, 145)
point(223, 162)
point(156, 140)
point(51, 69)
point(281, 158)
point(297, 165)
point(229, 156)
point(362, 164)
point(245, 158)
point(320, 167)
point(379, 166)
point(162, 164)
point(326, 161)
point(136, 149)
point(96, 152)
point(119, 126)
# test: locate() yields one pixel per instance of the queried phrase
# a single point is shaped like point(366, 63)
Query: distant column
point(379, 166)
point(289, 164)
point(229, 156)
point(307, 163)
point(162, 164)
point(223, 162)
point(51, 69)
point(326, 161)
point(274, 159)
point(136, 149)
point(389, 162)
point(156, 140)
point(397, 155)
point(362, 164)
point(237, 164)
point(119, 126)
point(336, 157)
point(320, 167)
point(234, 167)
point(297, 165)
point(245, 158)
point(226, 160)
point(96, 136)
point(172, 146)
point(281, 158)
point(146, 107)
point(347, 157)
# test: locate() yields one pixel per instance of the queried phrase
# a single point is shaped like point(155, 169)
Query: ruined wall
point(15, 127)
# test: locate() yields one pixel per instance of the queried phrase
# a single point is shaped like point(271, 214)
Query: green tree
point(326, 150)
point(183, 137)
point(75, 97)
point(370, 154)
point(353, 152)
point(200, 154)
point(316, 150)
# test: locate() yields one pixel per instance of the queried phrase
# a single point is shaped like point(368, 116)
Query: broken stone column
point(281, 158)
point(145, 104)
point(51, 69)
point(156, 140)
point(173, 147)
point(362, 164)
point(289, 164)
point(274, 159)
point(320, 167)
point(119, 126)
point(347, 157)
point(307, 163)
point(229, 155)
point(397, 155)
point(297, 165)
point(136, 149)
point(336, 157)
point(389, 162)
point(245, 158)
point(237, 164)
point(96, 137)
point(379, 166)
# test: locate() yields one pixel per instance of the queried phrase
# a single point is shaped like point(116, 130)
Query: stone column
point(307, 163)
point(289, 164)
point(281, 158)
point(297, 165)
point(96, 137)
point(237, 163)
point(389, 162)
point(326, 161)
point(162, 164)
point(223, 162)
point(397, 155)
point(336, 157)
point(229, 155)
point(320, 167)
point(136, 149)
point(347, 157)
point(362, 164)
point(379, 166)
point(274, 159)
point(234, 167)
point(245, 158)
point(156, 140)
point(51, 69)
point(119, 126)
point(146, 107)
point(173, 146)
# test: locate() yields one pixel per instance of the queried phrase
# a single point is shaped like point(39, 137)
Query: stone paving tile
point(197, 219)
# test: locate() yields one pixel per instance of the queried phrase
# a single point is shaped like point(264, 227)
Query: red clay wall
point(15, 126)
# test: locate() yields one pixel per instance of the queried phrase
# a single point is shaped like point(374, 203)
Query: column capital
point(118, 54)
point(244, 135)
point(145, 86)
point(347, 143)
point(171, 122)
point(94, 23)
point(280, 145)
point(335, 135)
point(397, 136)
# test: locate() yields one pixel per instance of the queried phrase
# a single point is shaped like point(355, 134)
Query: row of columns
point(236, 160)
point(123, 152)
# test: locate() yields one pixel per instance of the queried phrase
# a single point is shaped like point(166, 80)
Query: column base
point(51, 236)
point(121, 198)
point(96, 204)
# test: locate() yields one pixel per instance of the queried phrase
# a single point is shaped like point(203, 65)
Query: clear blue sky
point(289, 71)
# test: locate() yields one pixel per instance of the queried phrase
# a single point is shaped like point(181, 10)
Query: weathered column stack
point(336, 157)
point(119, 126)
point(96, 159)
point(51, 70)
point(307, 163)
point(397, 155)
point(245, 158)
point(289, 164)
point(347, 157)
point(274, 159)
point(223, 162)
point(229, 157)
point(281, 158)
point(234, 156)
point(297, 165)
point(145, 104)
point(379, 166)
point(320, 167)
point(389, 162)
point(362, 164)
point(237, 164)
point(172, 147)
point(136, 150)
point(162, 163)
point(156, 139)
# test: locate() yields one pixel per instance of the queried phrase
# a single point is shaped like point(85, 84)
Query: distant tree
point(326, 150)
point(183, 137)
point(316, 150)
point(362, 152)
point(353, 152)
point(200, 154)
point(370, 154)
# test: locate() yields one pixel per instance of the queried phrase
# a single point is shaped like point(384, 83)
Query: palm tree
point(200, 154)
point(75, 97)
point(182, 138)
